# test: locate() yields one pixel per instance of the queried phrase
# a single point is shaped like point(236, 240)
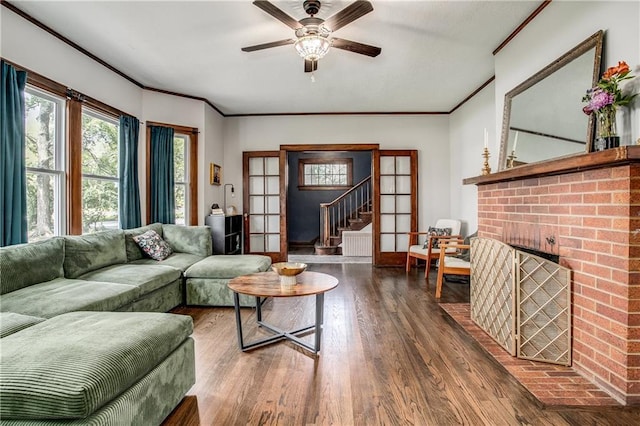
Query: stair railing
point(336, 214)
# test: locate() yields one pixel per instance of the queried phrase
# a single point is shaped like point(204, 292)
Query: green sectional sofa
point(84, 334)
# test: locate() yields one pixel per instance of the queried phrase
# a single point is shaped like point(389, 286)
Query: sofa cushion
point(153, 245)
point(228, 266)
point(27, 264)
point(180, 261)
point(146, 277)
point(64, 295)
point(10, 322)
point(85, 253)
point(71, 365)
point(133, 250)
point(188, 239)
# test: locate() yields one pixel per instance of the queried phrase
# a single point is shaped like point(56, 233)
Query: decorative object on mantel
point(604, 100)
point(486, 169)
point(512, 156)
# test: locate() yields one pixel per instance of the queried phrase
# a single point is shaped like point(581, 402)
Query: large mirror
point(543, 116)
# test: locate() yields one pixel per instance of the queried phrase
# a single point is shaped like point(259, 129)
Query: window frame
point(59, 167)
point(186, 174)
point(304, 186)
point(192, 193)
point(114, 120)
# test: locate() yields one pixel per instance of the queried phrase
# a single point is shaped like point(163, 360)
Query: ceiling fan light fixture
point(312, 47)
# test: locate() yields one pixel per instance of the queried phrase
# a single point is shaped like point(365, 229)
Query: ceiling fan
point(313, 35)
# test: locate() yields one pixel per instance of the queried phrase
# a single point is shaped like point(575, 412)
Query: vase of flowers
point(604, 101)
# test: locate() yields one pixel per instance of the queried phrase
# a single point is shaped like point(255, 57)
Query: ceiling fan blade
point(355, 47)
point(310, 66)
point(348, 14)
point(272, 10)
point(268, 45)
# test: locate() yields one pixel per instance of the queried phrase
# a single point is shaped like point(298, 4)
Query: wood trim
point(182, 95)
point(475, 92)
point(569, 164)
point(194, 218)
point(176, 128)
point(74, 167)
point(147, 173)
point(284, 189)
point(331, 147)
point(306, 187)
point(38, 80)
point(279, 114)
point(526, 22)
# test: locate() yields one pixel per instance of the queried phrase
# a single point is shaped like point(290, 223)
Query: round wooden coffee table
point(267, 284)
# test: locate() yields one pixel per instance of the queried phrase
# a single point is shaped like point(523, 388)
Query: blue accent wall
point(303, 207)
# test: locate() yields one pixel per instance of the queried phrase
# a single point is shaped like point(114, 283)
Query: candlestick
point(486, 169)
point(515, 142)
point(511, 158)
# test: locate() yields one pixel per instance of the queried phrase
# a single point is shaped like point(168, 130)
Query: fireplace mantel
point(594, 160)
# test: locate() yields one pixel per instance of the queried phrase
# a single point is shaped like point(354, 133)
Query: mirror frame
point(595, 41)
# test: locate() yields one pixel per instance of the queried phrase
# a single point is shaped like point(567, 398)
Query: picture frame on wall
point(215, 174)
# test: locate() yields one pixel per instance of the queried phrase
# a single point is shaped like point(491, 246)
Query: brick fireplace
point(586, 210)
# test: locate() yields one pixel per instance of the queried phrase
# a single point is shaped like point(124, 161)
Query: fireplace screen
point(522, 301)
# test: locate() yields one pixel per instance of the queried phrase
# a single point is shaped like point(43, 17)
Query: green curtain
point(162, 178)
point(13, 175)
point(129, 187)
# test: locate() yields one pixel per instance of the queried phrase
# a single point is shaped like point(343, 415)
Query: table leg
point(319, 320)
point(258, 309)
point(236, 304)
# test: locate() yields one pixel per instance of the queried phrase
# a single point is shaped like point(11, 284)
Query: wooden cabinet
point(226, 233)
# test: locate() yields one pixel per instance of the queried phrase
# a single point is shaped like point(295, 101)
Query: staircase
point(349, 212)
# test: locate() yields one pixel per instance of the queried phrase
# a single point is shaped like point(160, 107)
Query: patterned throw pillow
point(153, 245)
point(438, 232)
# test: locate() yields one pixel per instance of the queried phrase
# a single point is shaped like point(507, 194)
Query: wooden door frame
point(284, 182)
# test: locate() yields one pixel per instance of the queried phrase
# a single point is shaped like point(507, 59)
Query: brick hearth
point(593, 216)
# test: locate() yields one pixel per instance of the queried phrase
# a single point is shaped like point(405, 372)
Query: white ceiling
point(434, 53)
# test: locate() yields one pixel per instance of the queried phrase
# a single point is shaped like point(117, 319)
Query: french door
point(395, 204)
point(262, 205)
point(395, 200)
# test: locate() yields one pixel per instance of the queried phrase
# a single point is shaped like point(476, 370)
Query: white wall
point(466, 138)
point(429, 134)
point(212, 151)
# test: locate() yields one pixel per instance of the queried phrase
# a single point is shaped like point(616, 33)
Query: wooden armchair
point(448, 263)
point(429, 252)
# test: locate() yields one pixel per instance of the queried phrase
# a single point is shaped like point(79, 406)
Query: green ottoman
point(97, 368)
point(206, 281)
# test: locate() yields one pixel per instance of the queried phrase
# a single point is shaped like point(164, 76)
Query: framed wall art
point(215, 174)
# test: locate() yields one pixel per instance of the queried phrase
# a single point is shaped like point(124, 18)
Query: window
point(323, 173)
point(100, 184)
point(44, 154)
point(181, 177)
point(185, 169)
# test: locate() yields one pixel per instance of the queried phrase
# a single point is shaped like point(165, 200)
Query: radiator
point(356, 243)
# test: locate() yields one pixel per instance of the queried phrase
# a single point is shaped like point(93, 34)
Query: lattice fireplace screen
point(521, 300)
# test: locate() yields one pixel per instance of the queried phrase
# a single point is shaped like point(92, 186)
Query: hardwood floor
point(390, 356)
